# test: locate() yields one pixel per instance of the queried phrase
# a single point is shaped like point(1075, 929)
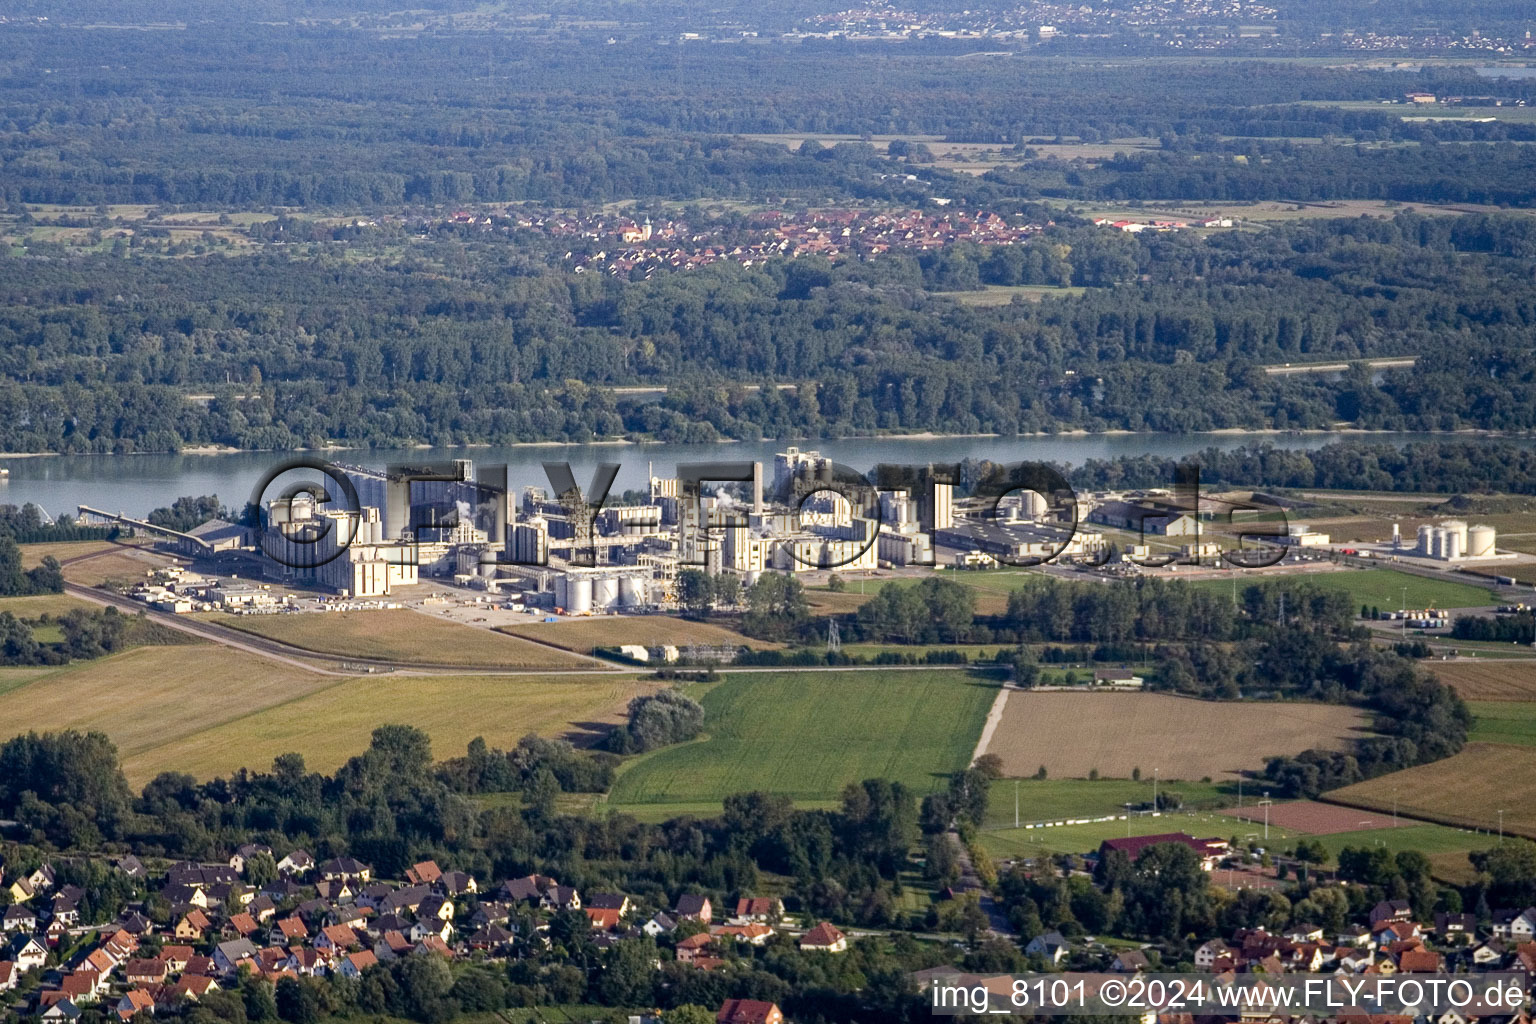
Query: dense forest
point(100, 353)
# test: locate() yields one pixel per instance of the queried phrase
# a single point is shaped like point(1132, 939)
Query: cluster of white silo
point(1453, 539)
point(595, 592)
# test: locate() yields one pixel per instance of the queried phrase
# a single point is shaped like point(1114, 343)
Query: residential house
point(176, 957)
point(1053, 946)
point(659, 925)
point(354, 964)
point(10, 975)
point(1418, 961)
point(1207, 954)
point(1390, 911)
point(135, 1000)
point(296, 864)
point(763, 909)
point(526, 890)
point(825, 938)
point(262, 908)
point(749, 1011)
point(227, 956)
point(431, 928)
point(691, 907)
point(607, 901)
point(560, 897)
point(1452, 925)
point(146, 972)
point(192, 987)
point(1516, 925)
point(288, 931)
point(601, 919)
point(492, 937)
point(392, 945)
point(193, 924)
point(1130, 961)
point(61, 1010)
point(345, 867)
point(425, 873)
point(18, 918)
point(242, 856)
point(243, 925)
point(692, 947)
point(337, 939)
point(457, 883)
point(433, 944)
point(435, 907)
point(753, 934)
point(130, 866)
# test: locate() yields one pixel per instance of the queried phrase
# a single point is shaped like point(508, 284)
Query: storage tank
point(1426, 534)
point(1437, 537)
point(629, 592)
point(562, 592)
point(1480, 542)
point(749, 578)
point(1452, 544)
point(1034, 503)
point(1459, 529)
point(605, 594)
point(579, 596)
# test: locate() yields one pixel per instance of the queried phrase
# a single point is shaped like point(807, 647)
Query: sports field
point(1503, 680)
point(1035, 842)
point(1073, 734)
point(399, 634)
point(1467, 790)
point(1504, 722)
point(612, 630)
point(332, 723)
point(808, 734)
point(1312, 817)
point(1059, 799)
point(1384, 589)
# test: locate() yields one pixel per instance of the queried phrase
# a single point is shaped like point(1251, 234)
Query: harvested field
point(1468, 790)
point(32, 555)
point(398, 634)
point(1313, 818)
point(121, 564)
point(612, 630)
point(1072, 734)
point(37, 605)
point(1506, 679)
point(148, 696)
point(330, 725)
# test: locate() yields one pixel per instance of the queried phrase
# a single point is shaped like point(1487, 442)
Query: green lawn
point(1383, 588)
point(1504, 722)
point(1425, 838)
point(1058, 799)
point(1035, 842)
point(809, 734)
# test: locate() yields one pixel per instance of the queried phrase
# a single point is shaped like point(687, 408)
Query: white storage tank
point(605, 594)
point(629, 592)
point(1480, 542)
point(1426, 540)
point(1452, 544)
point(579, 596)
point(1458, 528)
point(1437, 541)
point(1034, 503)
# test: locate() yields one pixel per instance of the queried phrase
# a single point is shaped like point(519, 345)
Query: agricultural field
point(399, 634)
point(332, 722)
point(35, 606)
point(1506, 680)
point(1073, 734)
point(1057, 799)
point(32, 555)
point(1467, 790)
point(809, 734)
point(120, 565)
point(150, 696)
point(584, 634)
point(1384, 588)
point(1510, 722)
